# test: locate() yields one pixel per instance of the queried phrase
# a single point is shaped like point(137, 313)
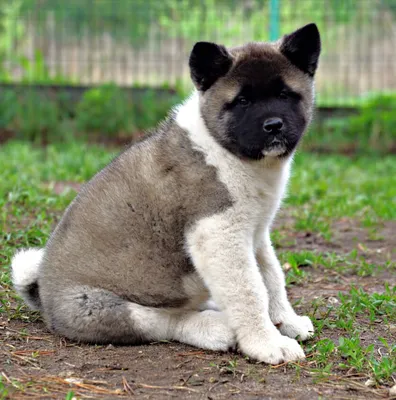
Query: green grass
point(323, 189)
point(348, 354)
point(328, 187)
point(28, 204)
point(347, 264)
point(356, 312)
point(355, 307)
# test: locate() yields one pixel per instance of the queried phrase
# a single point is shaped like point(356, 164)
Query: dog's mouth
point(276, 148)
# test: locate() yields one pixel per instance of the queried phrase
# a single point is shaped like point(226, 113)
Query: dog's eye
point(283, 95)
point(243, 101)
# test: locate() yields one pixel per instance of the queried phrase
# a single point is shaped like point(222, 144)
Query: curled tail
point(25, 272)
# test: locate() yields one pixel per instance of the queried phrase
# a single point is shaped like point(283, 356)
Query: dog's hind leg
point(95, 315)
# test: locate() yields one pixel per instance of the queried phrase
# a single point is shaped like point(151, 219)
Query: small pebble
point(370, 382)
point(66, 373)
point(392, 328)
point(286, 267)
point(392, 391)
point(74, 380)
point(333, 300)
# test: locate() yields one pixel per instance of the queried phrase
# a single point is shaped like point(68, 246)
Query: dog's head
point(257, 99)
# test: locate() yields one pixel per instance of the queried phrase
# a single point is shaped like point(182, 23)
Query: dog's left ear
point(302, 48)
point(208, 62)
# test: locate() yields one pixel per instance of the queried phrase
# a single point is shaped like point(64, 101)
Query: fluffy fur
point(225, 248)
point(171, 240)
point(25, 273)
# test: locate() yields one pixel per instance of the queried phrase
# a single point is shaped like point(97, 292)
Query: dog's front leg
point(280, 310)
point(222, 252)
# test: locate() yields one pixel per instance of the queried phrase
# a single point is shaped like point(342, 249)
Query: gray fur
point(31, 294)
point(122, 238)
point(88, 314)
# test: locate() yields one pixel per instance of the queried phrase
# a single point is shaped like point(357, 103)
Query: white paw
point(208, 330)
point(220, 336)
point(296, 327)
point(274, 349)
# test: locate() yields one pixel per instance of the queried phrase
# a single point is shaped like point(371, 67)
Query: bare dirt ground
point(45, 366)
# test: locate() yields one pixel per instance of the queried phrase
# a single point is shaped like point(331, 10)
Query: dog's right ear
point(208, 62)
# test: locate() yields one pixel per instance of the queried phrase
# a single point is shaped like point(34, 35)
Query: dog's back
point(124, 232)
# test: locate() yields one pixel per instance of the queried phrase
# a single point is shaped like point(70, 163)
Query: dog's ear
point(208, 62)
point(302, 48)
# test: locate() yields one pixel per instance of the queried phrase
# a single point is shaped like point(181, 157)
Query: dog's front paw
point(273, 349)
point(296, 327)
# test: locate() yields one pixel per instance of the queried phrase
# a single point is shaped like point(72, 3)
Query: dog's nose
point(272, 124)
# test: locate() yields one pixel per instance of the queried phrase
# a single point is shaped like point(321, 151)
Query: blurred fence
point(147, 42)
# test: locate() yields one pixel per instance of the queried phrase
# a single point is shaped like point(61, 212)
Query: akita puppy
point(184, 217)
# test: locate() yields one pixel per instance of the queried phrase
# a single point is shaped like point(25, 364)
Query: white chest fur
point(256, 187)
point(232, 252)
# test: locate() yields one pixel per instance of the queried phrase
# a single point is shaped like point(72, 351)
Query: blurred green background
point(110, 69)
